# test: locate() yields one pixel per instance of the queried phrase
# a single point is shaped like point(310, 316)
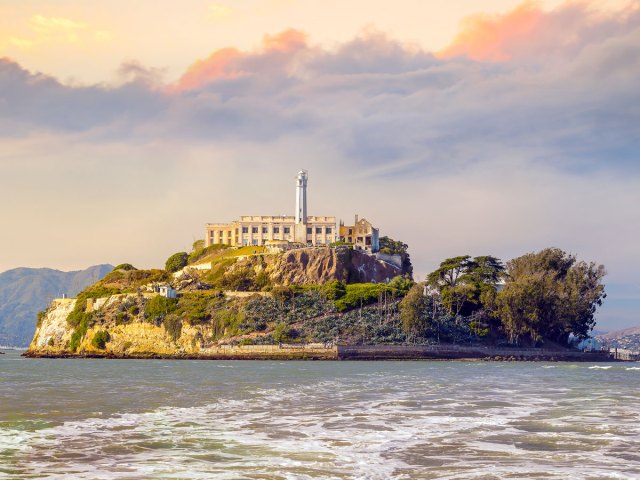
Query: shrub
point(40, 317)
point(124, 266)
point(100, 339)
point(359, 294)
point(176, 262)
point(158, 307)
point(173, 327)
point(280, 332)
point(51, 342)
point(334, 290)
point(80, 331)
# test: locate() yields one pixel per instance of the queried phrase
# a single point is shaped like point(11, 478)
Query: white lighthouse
point(301, 197)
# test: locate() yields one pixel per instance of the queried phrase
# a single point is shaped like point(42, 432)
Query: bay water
point(152, 419)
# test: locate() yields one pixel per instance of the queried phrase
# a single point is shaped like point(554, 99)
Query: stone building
point(362, 235)
point(258, 229)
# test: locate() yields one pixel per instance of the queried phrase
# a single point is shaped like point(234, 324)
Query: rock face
point(140, 339)
point(321, 265)
point(123, 312)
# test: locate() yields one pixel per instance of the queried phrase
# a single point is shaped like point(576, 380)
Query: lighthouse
point(301, 197)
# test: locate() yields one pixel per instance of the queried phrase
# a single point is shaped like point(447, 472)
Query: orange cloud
point(287, 40)
point(220, 64)
point(231, 63)
point(487, 37)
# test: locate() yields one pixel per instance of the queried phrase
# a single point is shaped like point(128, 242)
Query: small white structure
point(165, 290)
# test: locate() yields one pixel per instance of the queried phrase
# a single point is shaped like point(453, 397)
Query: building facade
point(362, 235)
point(258, 229)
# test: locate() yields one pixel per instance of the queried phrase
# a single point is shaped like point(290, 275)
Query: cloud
point(528, 33)
point(58, 28)
point(230, 63)
point(486, 37)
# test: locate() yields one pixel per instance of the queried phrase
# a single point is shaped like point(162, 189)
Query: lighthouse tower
point(301, 197)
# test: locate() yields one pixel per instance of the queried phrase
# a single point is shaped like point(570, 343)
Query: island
point(308, 287)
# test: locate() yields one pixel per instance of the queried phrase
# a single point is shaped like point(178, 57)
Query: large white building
point(258, 229)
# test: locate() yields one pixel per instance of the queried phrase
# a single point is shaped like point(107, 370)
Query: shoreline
point(355, 353)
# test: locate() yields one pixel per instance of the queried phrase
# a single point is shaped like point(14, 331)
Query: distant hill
point(26, 291)
point(628, 338)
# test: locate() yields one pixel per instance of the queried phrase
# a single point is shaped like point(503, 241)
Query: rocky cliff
point(321, 265)
point(237, 297)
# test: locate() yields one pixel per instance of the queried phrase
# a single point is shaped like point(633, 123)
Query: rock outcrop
point(320, 265)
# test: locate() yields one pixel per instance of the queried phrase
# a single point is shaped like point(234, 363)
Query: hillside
point(229, 297)
point(26, 291)
point(629, 338)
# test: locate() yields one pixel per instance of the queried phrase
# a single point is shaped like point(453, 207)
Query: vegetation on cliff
point(242, 296)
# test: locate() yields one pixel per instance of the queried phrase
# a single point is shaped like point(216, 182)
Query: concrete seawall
point(355, 352)
point(453, 352)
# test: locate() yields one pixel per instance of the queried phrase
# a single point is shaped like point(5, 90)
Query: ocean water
point(138, 419)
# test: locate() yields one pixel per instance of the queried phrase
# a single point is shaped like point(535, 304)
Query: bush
point(100, 339)
point(173, 327)
point(280, 333)
point(176, 262)
point(80, 331)
point(359, 294)
point(158, 307)
point(41, 316)
point(334, 290)
point(124, 266)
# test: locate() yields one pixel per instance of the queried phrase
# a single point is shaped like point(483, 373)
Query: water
point(119, 419)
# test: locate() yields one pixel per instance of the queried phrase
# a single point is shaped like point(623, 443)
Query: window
point(327, 231)
point(265, 230)
point(309, 230)
point(359, 240)
point(245, 229)
point(237, 231)
point(350, 239)
point(350, 231)
point(255, 241)
point(287, 229)
point(254, 229)
point(220, 233)
point(276, 229)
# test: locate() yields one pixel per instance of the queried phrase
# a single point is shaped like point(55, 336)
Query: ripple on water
point(403, 421)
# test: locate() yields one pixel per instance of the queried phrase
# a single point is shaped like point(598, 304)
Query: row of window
point(286, 230)
point(255, 241)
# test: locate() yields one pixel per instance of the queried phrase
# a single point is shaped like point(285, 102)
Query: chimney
point(356, 218)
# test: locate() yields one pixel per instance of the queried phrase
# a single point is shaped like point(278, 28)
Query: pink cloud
point(231, 63)
point(529, 32)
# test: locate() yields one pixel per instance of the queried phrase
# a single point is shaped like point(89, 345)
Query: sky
point(459, 127)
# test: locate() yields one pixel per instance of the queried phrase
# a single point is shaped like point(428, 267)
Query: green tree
point(176, 262)
point(464, 283)
point(197, 245)
point(549, 295)
point(413, 311)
